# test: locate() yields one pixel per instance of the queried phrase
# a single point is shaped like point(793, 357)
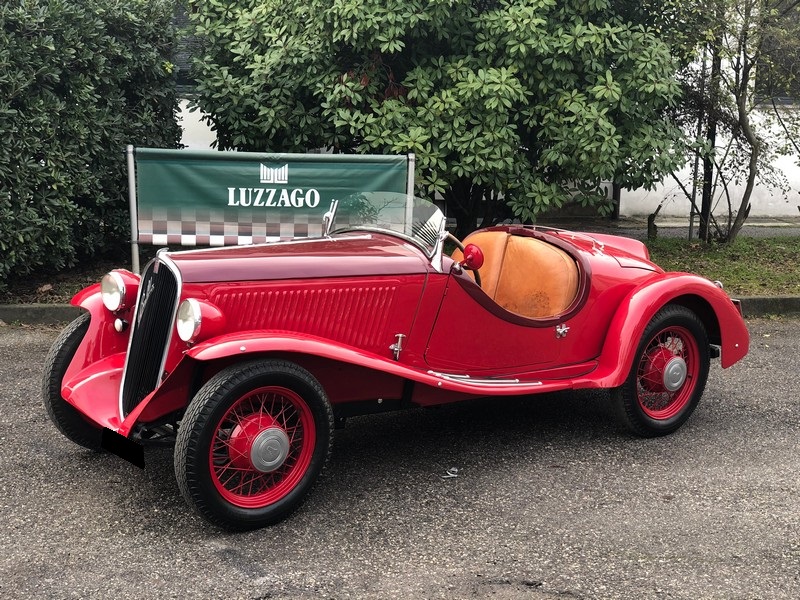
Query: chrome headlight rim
point(112, 291)
point(188, 320)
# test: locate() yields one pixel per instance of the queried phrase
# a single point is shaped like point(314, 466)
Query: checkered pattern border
point(203, 227)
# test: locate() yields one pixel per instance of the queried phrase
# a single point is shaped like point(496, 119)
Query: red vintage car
point(248, 357)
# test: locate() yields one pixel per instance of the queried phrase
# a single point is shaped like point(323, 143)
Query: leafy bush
point(78, 81)
point(527, 103)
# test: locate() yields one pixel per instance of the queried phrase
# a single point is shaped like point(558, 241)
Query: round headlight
point(112, 289)
point(188, 319)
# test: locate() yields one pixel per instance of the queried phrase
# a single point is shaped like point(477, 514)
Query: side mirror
point(473, 258)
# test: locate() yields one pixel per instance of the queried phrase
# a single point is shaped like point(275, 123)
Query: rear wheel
point(64, 416)
point(668, 375)
point(252, 443)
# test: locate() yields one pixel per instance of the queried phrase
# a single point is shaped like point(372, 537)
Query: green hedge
point(78, 81)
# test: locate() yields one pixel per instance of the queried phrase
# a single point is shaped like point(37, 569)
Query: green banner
point(202, 197)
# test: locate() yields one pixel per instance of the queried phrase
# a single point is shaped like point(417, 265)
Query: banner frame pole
point(410, 192)
point(129, 151)
point(412, 162)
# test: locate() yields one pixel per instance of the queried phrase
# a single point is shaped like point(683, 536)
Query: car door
point(472, 334)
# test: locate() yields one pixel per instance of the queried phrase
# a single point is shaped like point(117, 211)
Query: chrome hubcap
point(675, 373)
point(269, 449)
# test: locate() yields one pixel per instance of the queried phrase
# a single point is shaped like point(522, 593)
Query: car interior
point(525, 275)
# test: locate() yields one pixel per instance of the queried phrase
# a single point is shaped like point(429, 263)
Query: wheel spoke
point(654, 392)
point(232, 467)
point(233, 475)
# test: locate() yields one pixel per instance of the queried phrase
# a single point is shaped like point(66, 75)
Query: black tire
point(674, 343)
point(218, 439)
point(64, 416)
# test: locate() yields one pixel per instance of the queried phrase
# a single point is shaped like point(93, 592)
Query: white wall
point(766, 202)
point(196, 134)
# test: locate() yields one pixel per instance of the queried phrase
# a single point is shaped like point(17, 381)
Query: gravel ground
point(550, 501)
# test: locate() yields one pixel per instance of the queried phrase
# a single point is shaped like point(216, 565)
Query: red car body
point(378, 323)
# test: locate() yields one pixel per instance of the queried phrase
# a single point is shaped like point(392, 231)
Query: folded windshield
point(414, 219)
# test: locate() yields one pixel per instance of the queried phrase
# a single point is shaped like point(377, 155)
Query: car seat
point(523, 274)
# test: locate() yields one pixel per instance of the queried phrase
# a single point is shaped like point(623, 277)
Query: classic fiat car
point(247, 357)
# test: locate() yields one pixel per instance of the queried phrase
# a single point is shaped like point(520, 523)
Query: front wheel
point(252, 443)
point(668, 375)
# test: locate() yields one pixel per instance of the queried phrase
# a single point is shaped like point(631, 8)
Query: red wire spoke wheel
point(668, 375)
point(262, 447)
point(252, 443)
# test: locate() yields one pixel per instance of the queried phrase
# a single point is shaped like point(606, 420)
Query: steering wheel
point(460, 246)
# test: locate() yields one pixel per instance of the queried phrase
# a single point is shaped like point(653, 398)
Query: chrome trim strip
point(275, 243)
point(574, 235)
point(161, 255)
point(469, 380)
point(164, 256)
point(596, 244)
point(417, 244)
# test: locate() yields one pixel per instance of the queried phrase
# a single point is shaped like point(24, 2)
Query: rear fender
point(719, 315)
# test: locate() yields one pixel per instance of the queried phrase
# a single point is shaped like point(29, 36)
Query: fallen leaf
point(47, 287)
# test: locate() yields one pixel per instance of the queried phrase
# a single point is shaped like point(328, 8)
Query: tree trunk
point(742, 95)
point(711, 131)
point(459, 205)
point(752, 167)
point(616, 193)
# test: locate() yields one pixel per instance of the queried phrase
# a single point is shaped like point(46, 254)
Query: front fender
point(101, 339)
point(91, 380)
point(712, 305)
point(89, 299)
point(264, 342)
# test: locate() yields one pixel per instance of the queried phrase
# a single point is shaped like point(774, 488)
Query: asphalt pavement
point(550, 501)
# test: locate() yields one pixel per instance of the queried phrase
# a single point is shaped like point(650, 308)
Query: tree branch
point(783, 125)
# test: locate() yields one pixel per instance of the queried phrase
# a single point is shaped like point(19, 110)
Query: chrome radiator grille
point(152, 325)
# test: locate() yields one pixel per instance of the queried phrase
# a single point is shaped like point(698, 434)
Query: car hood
point(354, 254)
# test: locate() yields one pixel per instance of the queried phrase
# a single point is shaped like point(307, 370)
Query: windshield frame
point(434, 226)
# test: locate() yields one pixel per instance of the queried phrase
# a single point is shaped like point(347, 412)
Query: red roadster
point(248, 357)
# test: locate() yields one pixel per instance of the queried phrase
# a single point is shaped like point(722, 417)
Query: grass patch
point(748, 267)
